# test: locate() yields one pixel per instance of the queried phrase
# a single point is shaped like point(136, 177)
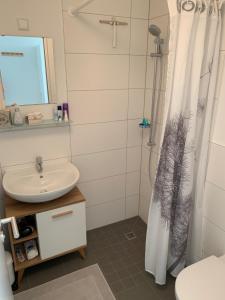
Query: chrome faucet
point(39, 164)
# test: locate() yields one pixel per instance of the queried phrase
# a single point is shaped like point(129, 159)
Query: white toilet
point(204, 280)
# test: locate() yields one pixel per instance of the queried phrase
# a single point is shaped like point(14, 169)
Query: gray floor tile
point(121, 261)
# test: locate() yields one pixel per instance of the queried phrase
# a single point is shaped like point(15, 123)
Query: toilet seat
point(204, 280)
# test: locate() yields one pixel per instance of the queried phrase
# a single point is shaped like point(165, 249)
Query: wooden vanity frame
point(21, 209)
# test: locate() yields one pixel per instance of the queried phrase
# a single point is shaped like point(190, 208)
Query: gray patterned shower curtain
point(195, 29)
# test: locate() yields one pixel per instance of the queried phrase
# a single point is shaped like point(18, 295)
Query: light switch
point(23, 24)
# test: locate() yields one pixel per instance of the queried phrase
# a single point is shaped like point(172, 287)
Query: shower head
point(154, 30)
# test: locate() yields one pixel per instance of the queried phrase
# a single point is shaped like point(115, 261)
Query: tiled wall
point(105, 88)
point(214, 204)
point(158, 16)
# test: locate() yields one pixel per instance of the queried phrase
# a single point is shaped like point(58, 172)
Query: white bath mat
point(86, 284)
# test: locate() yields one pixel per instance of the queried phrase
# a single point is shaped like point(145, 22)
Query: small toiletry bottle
point(55, 113)
point(60, 114)
point(65, 112)
point(18, 117)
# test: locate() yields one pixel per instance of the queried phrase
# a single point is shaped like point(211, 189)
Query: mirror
point(27, 70)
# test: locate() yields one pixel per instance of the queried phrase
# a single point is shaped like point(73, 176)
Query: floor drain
point(130, 235)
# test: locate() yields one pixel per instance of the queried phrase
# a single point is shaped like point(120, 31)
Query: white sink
point(27, 185)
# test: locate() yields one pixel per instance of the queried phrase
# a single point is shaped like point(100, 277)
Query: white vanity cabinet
point(61, 230)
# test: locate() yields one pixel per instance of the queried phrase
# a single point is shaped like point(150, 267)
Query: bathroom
point(112, 64)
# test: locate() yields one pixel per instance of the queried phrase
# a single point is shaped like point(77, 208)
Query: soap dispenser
point(18, 117)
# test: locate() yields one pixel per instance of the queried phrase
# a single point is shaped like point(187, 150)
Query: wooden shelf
point(32, 236)
point(27, 263)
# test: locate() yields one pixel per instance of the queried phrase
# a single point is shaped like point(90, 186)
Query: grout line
point(110, 150)
point(109, 176)
point(210, 221)
point(114, 200)
point(127, 132)
point(66, 78)
point(73, 123)
point(145, 89)
point(215, 143)
point(160, 16)
point(33, 162)
point(106, 122)
point(214, 184)
point(97, 90)
point(104, 54)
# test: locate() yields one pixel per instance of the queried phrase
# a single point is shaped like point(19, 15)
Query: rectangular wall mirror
point(27, 70)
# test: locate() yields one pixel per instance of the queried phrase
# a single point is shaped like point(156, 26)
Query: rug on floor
point(85, 284)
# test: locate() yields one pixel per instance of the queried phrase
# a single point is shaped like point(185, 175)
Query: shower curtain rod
point(74, 11)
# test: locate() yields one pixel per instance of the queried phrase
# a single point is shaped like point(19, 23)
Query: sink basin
point(27, 185)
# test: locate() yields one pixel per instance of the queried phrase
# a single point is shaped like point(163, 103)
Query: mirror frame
point(49, 66)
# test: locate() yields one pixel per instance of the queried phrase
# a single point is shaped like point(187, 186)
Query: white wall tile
point(85, 34)
point(23, 147)
point(214, 239)
point(158, 8)
point(103, 190)
point(94, 72)
point(132, 183)
point(133, 159)
point(104, 214)
point(134, 133)
point(216, 166)
point(98, 137)
point(98, 106)
point(140, 9)
point(136, 103)
point(100, 165)
point(214, 209)
point(105, 7)
point(139, 35)
point(137, 72)
point(132, 205)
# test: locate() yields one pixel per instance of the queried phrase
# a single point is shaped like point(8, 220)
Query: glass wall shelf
point(43, 124)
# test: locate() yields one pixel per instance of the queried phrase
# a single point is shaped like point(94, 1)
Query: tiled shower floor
point(121, 261)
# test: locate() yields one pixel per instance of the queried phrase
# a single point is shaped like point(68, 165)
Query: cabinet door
point(61, 229)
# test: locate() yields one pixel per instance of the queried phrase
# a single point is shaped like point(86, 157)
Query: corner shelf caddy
point(43, 124)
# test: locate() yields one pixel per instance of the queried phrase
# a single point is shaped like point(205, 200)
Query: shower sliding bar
point(75, 11)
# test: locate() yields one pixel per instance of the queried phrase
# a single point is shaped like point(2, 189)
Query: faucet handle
point(38, 159)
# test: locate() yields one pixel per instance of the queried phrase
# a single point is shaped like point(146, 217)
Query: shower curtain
point(195, 31)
